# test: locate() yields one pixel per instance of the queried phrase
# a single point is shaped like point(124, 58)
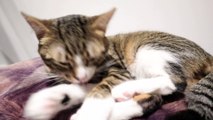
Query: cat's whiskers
point(49, 77)
point(46, 73)
point(55, 80)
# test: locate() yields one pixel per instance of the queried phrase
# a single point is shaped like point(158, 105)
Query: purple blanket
point(19, 80)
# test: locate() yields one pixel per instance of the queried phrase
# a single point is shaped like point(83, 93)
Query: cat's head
point(73, 46)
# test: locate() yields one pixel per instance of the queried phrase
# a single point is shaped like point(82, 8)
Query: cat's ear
point(39, 26)
point(100, 22)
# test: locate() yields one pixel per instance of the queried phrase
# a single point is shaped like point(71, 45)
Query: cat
point(74, 47)
point(135, 68)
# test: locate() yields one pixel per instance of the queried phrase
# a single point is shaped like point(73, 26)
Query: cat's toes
point(78, 116)
point(122, 92)
point(73, 117)
point(126, 110)
point(44, 106)
point(46, 103)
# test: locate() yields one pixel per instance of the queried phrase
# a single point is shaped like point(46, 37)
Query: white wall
point(3, 60)
point(17, 42)
point(192, 19)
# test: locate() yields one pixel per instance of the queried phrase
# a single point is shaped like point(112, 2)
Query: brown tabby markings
point(60, 40)
point(194, 67)
point(85, 36)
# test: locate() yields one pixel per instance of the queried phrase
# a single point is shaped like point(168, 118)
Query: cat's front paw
point(45, 104)
point(126, 110)
point(124, 91)
point(94, 109)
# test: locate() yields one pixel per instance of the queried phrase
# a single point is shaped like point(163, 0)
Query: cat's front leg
point(99, 102)
point(94, 109)
point(137, 106)
point(46, 103)
point(97, 105)
point(162, 85)
point(126, 110)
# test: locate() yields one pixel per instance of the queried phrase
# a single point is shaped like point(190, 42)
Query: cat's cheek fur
point(126, 110)
point(94, 109)
point(46, 103)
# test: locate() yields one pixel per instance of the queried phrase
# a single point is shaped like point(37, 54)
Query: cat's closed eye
point(72, 46)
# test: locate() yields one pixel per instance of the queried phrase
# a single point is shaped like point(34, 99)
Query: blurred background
point(192, 19)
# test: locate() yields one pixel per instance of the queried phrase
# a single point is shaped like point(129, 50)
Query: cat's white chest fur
point(150, 62)
point(150, 75)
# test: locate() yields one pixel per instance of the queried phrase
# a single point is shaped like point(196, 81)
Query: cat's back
point(159, 41)
point(187, 53)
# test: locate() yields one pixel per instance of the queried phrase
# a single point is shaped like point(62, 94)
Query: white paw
point(167, 88)
point(45, 104)
point(94, 109)
point(74, 116)
point(124, 91)
point(126, 110)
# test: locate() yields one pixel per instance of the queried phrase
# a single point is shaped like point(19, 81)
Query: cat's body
point(185, 62)
point(167, 58)
point(146, 64)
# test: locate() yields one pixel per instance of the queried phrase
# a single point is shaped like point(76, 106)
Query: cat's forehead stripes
point(72, 25)
point(76, 19)
point(71, 30)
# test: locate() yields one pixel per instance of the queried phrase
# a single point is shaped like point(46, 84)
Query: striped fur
point(200, 101)
point(62, 39)
point(194, 66)
point(200, 97)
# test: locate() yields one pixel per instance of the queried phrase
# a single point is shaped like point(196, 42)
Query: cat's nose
point(81, 74)
point(82, 78)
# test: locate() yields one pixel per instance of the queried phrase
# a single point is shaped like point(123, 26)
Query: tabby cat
point(134, 70)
